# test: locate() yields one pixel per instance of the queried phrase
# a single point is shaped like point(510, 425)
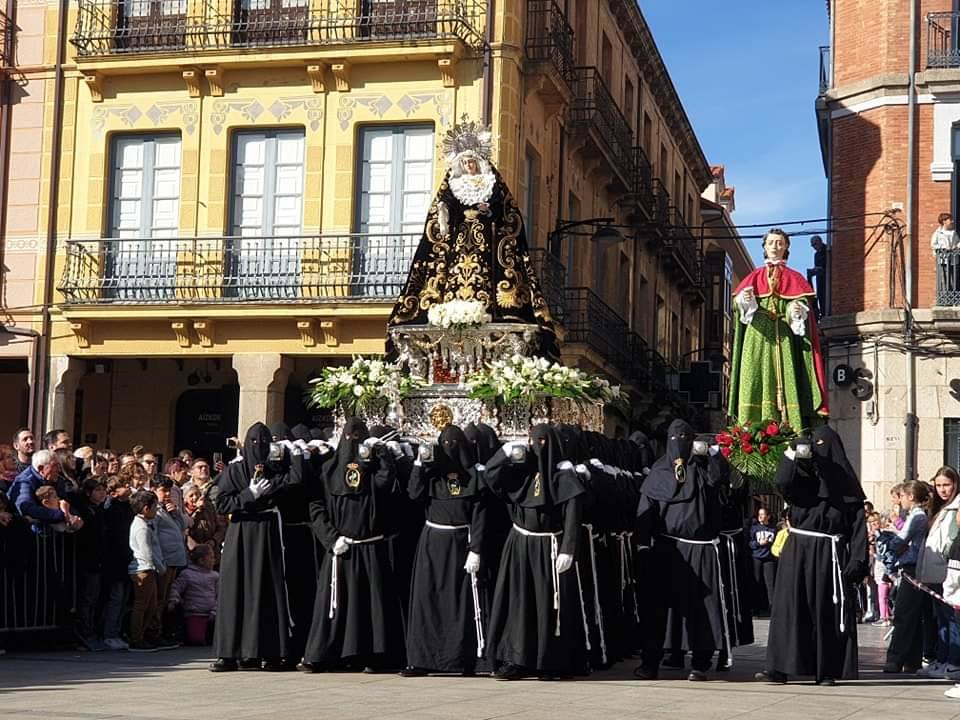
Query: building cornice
point(637, 34)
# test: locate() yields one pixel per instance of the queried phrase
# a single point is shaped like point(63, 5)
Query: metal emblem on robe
point(453, 484)
point(353, 476)
point(537, 485)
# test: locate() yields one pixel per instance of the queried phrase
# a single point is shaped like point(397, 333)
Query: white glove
point(472, 565)
point(582, 471)
point(372, 442)
point(320, 446)
point(259, 487)
point(341, 546)
point(564, 465)
point(394, 447)
point(564, 562)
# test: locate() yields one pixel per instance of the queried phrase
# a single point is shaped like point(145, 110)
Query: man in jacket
point(44, 470)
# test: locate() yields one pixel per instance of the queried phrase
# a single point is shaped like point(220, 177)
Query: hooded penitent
point(349, 474)
point(668, 477)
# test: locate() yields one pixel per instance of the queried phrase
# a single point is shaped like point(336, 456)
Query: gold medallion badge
point(453, 484)
point(352, 477)
point(537, 485)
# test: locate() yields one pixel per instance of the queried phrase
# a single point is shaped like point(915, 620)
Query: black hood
point(484, 439)
point(256, 447)
point(680, 437)
point(452, 475)
point(833, 467)
point(572, 443)
point(347, 474)
point(281, 431)
point(300, 432)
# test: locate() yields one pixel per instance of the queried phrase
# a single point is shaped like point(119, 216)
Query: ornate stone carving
point(81, 332)
point(341, 73)
point(182, 331)
point(191, 79)
point(214, 77)
point(204, 331)
point(317, 72)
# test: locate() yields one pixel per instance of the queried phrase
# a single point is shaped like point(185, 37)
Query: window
point(663, 327)
point(628, 101)
point(647, 133)
point(267, 213)
point(606, 60)
point(951, 441)
point(573, 213)
point(529, 173)
point(145, 208)
point(664, 167)
point(688, 216)
point(674, 337)
point(152, 24)
point(395, 192)
point(580, 31)
point(270, 22)
point(678, 191)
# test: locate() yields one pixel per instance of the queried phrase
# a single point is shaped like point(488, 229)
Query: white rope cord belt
point(597, 610)
point(283, 569)
point(477, 614)
point(723, 599)
point(554, 551)
point(837, 574)
point(336, 563)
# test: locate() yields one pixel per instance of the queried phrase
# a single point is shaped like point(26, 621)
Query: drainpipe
point(42, 367)
point(488, 63)
point(910, 420)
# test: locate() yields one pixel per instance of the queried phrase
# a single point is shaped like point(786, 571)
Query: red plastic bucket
point(197, 629)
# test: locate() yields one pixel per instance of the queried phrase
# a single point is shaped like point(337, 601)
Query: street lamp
point(605, 234)
point(8, 332)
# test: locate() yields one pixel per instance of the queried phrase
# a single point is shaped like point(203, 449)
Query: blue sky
point(747, 73)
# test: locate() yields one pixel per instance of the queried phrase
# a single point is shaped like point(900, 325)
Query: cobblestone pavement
point(175, 685)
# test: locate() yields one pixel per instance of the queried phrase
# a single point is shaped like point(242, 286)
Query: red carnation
point(745, 438)
point(773, 429)
point(724, 439)
point(725, 451)
point(764, 448)
point(747, 447)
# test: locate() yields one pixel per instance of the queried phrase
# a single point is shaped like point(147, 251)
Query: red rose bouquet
point(755, 449)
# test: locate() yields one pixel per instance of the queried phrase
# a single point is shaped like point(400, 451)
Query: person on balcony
point(777, 369)
point(943, 242)
point(819, 272)
point(474, 246)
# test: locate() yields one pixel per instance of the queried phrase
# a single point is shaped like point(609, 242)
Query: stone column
point(263, 382)
point(65, 374)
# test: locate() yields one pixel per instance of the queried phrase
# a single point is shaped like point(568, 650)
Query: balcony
point(552, 275)
point(681, 254)
point(157, 27)
point(595, 117)
point(942, 33)
point(550, 40)
point(642, 196)
point(825, 69)
point(591, 322)
point(192, 270)
point(948, 278)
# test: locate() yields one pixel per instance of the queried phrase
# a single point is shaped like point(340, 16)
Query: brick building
point(887, 61)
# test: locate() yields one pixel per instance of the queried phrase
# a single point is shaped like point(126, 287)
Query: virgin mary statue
point(777, 369)
point(473, 245)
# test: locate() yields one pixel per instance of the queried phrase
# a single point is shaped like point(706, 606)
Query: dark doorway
point(205, 419)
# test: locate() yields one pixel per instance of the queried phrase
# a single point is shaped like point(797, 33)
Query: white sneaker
point(115, 643)
point(931, 670)
point(953, 692)
point(951, 672)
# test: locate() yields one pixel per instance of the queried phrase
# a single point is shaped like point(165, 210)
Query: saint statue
point(777, 369)
point(473, 245)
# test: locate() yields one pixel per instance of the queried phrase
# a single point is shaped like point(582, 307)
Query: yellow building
point(214, 198)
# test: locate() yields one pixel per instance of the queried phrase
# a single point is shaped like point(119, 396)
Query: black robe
point(484, 258)
point(527, 629)
point(825, 497)
point(253, 620)
point(356, 498)
point(735, 558)
point(443, 632)
point(685, 581)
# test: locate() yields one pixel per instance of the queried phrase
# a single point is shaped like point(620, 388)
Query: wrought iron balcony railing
point(552, 275)
point(593, 107)
point(683, 245)
point(826, 76)
point(591, 321)
point(642, 189)
point(112, 27)
point(661, 203)
point(943, 31)
point(948, 278)
point(550, 37)
point(6, 41)
point(237, 269)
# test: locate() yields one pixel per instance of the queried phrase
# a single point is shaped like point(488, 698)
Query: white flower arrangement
point(362, 384)
point(458, 314)
point(527, 378)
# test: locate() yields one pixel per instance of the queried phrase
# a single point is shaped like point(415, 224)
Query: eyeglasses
point(149, 462)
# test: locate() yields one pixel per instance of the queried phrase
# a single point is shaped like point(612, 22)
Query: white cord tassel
point(583, 608)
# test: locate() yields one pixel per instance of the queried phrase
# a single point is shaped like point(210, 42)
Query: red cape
point(792, 286)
